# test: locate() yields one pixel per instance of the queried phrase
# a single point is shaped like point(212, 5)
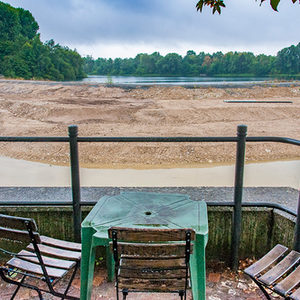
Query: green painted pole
point(75, 182)
point(238, 195)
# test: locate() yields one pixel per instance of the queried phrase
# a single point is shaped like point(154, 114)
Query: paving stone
point(76, 283)
point(242, 286)
point(214, 277)
point(222, 284)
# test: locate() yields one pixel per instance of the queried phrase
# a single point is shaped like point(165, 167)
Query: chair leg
point(71, 280)
point(261, 288)
point(18, 287)
point(40, 294)
point(181, 294)
point(125, 293)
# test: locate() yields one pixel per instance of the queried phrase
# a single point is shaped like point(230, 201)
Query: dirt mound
point(46, 109)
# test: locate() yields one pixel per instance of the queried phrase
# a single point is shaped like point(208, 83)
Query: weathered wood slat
point(132, 262)
point(16, 222)
point(34, 268)
point(151, 273)
point(150, 234)
point(288, 283)
point(152, 250)
point(281, 268)
point(17, 235)
point(48, 261)
point(152, 268)
point(152, 285)
point(266, 261)
point(296, 295)
point(56, 252)
point(60, 244)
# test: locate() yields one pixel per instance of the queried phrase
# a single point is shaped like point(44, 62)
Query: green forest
point(23, 55)
point(286, 62)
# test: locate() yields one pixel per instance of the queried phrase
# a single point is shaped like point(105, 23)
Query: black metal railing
point(241, 139)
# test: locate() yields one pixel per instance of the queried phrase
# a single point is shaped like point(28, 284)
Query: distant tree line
point(287, 62)
point(23, 55)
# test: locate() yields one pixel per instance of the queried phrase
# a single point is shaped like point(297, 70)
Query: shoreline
point(129, 86)
point(128, 166)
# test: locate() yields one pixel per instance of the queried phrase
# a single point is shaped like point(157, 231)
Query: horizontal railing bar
point(30, 139)
point(156, 139)
point(149, 139)
point(37, 203)
point(273, 139)
point(255, 204)
point(92, 203)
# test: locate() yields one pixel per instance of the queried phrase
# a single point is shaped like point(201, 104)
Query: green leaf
point(199, 5)
point(274, 4)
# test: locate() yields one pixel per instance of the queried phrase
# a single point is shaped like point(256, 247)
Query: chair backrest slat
point(16, 235)
point(15, 228)
point(150, 235)
point(152, 250)
point(16, 222)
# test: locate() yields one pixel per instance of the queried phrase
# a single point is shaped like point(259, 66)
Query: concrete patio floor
point(222, 284)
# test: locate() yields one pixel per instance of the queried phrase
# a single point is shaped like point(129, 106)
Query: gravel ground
point(281, 195)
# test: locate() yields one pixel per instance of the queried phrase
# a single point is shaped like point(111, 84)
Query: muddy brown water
point(21, 173)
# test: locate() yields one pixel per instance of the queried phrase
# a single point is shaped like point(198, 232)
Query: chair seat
point(288, 283)
point(48, 261)
point(27, 266)
point(296, 295)
point(57, 252)
point(60, 243)
point(272, 256)
point(278, 272)
point(280, 269)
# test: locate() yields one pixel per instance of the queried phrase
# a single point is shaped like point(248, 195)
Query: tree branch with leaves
point(217, 5)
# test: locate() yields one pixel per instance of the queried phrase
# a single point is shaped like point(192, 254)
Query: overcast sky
point(124, 28)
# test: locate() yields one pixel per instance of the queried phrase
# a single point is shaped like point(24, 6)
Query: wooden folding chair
point(278, 271)
point(44, 259)
point(151, 260)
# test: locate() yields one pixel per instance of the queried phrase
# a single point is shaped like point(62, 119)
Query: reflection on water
point(15, 172)
point(172, 80)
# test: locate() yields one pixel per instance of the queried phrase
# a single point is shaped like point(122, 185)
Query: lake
point(182, 81)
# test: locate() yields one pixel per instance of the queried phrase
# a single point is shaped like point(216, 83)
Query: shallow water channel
point(21, 173)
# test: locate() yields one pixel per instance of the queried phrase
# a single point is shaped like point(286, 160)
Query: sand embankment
point(46, 109)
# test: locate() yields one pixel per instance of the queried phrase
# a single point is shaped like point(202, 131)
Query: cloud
point(167, 24)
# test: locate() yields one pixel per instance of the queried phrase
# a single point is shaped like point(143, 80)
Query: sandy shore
point(46, 109)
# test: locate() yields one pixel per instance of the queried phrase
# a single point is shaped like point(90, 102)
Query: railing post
point(74, 160)
point(297, 228)
point(238, 194)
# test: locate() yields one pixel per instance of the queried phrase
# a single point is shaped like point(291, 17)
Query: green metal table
point(143, 210)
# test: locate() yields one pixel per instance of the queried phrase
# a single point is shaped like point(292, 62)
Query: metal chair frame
point(6, 273)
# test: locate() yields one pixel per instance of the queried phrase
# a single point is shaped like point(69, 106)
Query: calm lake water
point(134, 80)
